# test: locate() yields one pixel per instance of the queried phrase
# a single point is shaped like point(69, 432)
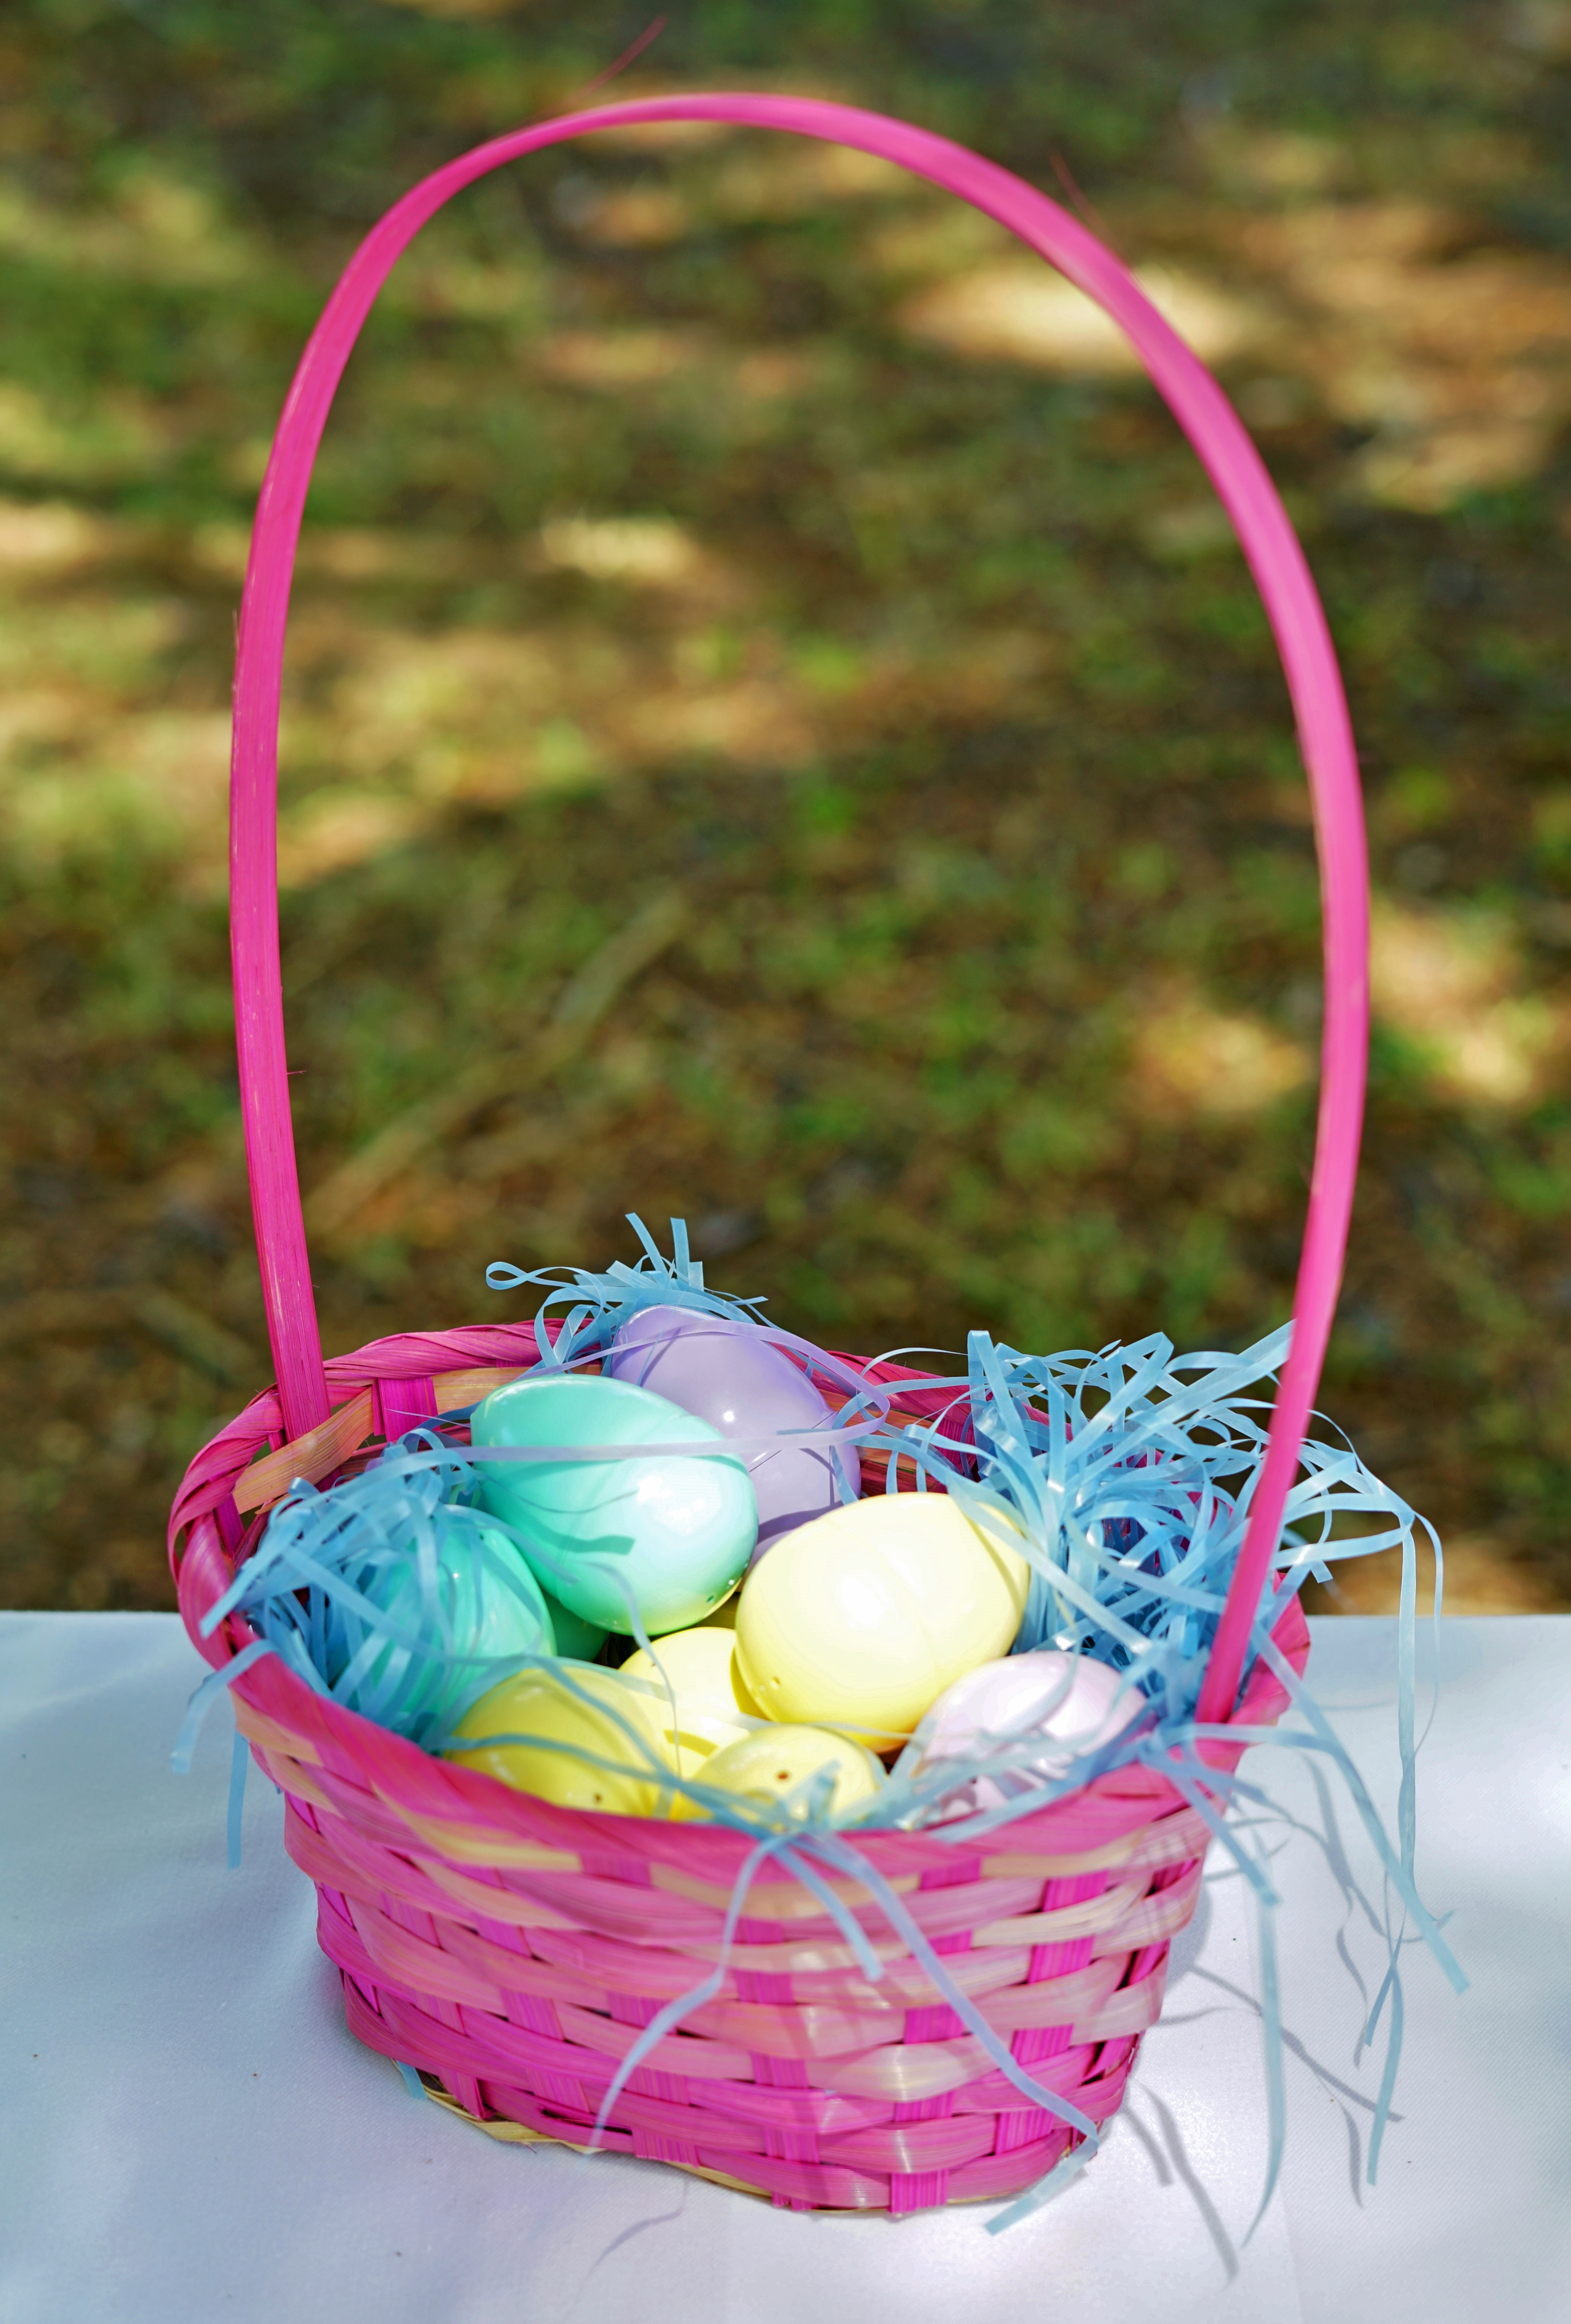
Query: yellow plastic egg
point(713, 1705)
point(768, 1764)
point(862, 1619)
point(538, 1703)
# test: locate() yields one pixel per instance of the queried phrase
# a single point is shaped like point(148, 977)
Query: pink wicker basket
point(512, 1952)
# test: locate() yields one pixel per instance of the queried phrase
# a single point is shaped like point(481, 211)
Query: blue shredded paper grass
point(1127, 1474)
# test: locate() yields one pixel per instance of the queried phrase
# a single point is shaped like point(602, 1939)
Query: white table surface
point(188, 2132)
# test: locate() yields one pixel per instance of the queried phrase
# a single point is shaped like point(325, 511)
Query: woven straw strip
point(453, 1390)
point(313, 1456)
point(708, 2142)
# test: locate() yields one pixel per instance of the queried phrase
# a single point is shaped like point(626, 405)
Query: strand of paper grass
point(1140, 1486)
point(666, 2019)
point(398, 1665)
point(794, 1852)
point(1091, 1560)
point(1194, 1787)
point(217, 1682)
point(314, 1535)
point(845, 1856)
point(1054, 2181)
point(239, 1760)
point(793, 1849)
point(1315, 1496)
point(276, 1609)
point(206, 1695)
point(620, 1291)
point(1400, 1871)
point(1008, 1454)
point(1407, 1821)
point(1270, 2013)
point(1130, 1465)
point(601, 1303)
point(330, 1545)
point(365, 1525)
point(1170, 1676)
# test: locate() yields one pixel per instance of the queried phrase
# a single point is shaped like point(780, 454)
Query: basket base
point(519, 2134)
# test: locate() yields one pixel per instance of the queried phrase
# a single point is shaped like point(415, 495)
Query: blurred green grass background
point(775, 731)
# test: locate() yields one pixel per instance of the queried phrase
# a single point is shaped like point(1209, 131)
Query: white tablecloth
point(188, 2132)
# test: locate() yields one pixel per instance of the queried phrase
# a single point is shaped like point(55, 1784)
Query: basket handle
point(1291, 604)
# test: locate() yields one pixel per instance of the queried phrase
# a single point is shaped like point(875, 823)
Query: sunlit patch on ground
point(635, 218)
point(618, 359)
point(333, 829)
point(648, 552)
point(1193, 1059)
point(117, 435)
point(1020, 310)
point(1459, 359)
point(784, 177)
point(50, 537)
point(1452, 982)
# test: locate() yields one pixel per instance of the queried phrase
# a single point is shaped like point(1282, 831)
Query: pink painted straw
point(1281, 574)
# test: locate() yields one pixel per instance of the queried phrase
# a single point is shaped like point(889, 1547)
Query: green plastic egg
point(673, 1531)
point(578, 1640)
point(472, 1604)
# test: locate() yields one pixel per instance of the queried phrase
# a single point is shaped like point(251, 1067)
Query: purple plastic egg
point(730, 1375)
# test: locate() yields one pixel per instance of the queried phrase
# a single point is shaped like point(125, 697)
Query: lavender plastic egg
point(729, 1374)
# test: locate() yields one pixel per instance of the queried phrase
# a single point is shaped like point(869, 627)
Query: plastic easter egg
point(862, 1619)
point(1074, 1705)
point(538, 1703)
point(713, 1705)
point(729, 1374)
point(770, 1764)
point(578, 1640)
point(450, 1615)
point(673, 1532)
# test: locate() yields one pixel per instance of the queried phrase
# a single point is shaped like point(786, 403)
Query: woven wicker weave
point(511, 1951)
